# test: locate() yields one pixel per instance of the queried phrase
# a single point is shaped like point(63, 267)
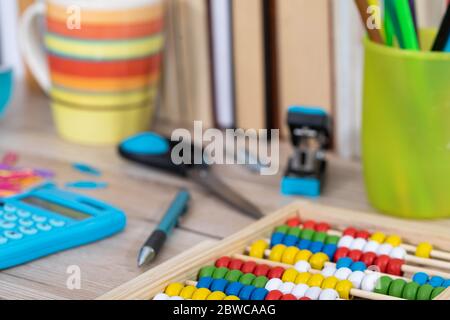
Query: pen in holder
point(6, 86)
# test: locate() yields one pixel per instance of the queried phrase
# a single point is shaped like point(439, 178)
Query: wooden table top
point(144, 195)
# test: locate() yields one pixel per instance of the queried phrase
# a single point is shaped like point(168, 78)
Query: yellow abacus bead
point(174, 289)
point(394, 240)
point(303, 278)
point(316, 280)
point(257, 249)
point(289, 255)
point(289, 275)
point(423, 250)
point(187, 292)
point(343, 288)
point(277, 253)
point(378, 237)
point(303, 255)
point(217, 296)
point(201, 294)
point(231, 298)
point(318, 260)
point(330, 283)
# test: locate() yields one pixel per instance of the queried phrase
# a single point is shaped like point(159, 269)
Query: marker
point(442, 41)
point(155, 242)
point(392, 19)
point(406, 22)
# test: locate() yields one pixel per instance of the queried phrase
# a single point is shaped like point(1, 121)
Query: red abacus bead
point(248, 267)
point(394, 267)
point(350, 232)
point(341, 253)
point(363, 234)
point(368, 258)
point(381, 262)
point(288, 297)
point(235, 264)
point(304, 298)
point(223, 262)
point(310, 224)
point(322, 227)
point(274, 295)
point(294, 222)
point(261, 270)
point(275, 273)
point(355, 255)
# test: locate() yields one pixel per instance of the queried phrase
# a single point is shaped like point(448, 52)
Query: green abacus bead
point(437, 291)
point(396, 288)
point(260, 282)
point(247, 279)
point(307, 234)
point(332, 240)
point(220, 273)
point(294, 231)
point(319, 237)
point(233, 275)
point(383, 285)
point(425, 292)
point(282, 229)
point(206, 272)
point(410, 291)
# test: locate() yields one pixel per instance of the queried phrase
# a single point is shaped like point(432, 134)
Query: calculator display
point(54, 207)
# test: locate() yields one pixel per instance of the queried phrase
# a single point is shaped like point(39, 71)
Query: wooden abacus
point(285, 272)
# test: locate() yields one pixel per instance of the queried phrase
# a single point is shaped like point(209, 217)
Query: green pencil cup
point(406, 131)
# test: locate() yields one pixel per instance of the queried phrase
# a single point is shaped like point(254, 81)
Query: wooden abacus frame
point(186, 266)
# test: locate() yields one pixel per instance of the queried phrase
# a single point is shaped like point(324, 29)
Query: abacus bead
point(394, 240)
point(290, 240)
point(303, 255)
point(302, 266)
point(293, 222)
point(436, 281)
point(307, 234)
point(316, 247)
point(300, 290)
point(344, 263)
point(296, 232)
point(176, 298)
point(277, 238)
point(304, 244)
point(290, 275)
point(282, 229)
point(248, 267)
point(350, 232)
point(206, 271)
point(371, 246)
point(437, 291)
point(370, 282)
point(273, 284)
point(410, 291)
point(304, 298)
point(329, 294)
point(368, 258)
point(204, 282)
point(303, 278)
point(233, 275)
point(258, 248)
point(396, 288)
point(381, 263)
point(277, 252)
point(394, 267)
point(174, 289)
point(358, 266)
point(288, 297)
point(220, 273)
point(247, 279)
point(423, 250)
point(341, 253)
point(345, 241)
point(201, 294)
point(236, 264)
point(385, 249)
point(318, 260)
point(322, 227)
point(425, 292)
point(289, 255)
point(378, 237)
point(319, 237)
point(446, 284)
point(328, 271)
point(358, 244)
point(260, 282)
point(343, 288)
point(287, 287)
point(259, 294)
point(330, 250)
point(355, 255)
point(234, 288)
point(223, 262)
point(309, 225)
point(383, 284)
point(187, 292)
point(421, 278)
point(216, 296)
point(274, 295)
point(332, 240)
point(313, 293)
point(246, 292)
point(219, 285)
point(231, 298)
point(330, 282)
point(343, 273)
point(276, 272)
point(316, 280)
point(261, 270)
point(364, 234)
point(161, 296)
point(398, 253)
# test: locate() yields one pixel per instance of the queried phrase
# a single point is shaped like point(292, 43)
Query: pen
point(154, 243)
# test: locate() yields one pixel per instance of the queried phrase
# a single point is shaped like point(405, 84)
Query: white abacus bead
point(273, 284)
point(287, 287)
point(302, 266)
point(300, 290)
point(161, 296)
point(345, 242)
point(313, 293)
point(328, 271)
point(369, 282)
point(356, 278)
point(358, 244)
point(398, 253)
point(329, 294)
point(176, 298)
point(371, 246)
point(343, 273)
point(385, 249)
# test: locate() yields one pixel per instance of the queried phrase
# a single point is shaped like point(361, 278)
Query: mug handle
point(32, 50)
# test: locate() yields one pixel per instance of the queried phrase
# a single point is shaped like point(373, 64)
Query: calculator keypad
point(38, 218)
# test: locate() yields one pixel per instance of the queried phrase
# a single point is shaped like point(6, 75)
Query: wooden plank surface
point(143, 194)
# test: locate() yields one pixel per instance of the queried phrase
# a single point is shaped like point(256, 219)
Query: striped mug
point(100, 62)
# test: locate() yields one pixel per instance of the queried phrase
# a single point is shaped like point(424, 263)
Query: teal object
point(6, 88)
point(308, 187)
point(173, 214)
point(146, 144)
point(92, 185)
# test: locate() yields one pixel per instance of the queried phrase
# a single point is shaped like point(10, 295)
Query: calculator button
point(23, 214)
point(7, 224)
point(44, 226)
point(26, 222)
point(9, 208)
point(57, 223)
point(28, 231)
point(10, 217)
point(13, 235)
point(37, 218)
point(3, 240)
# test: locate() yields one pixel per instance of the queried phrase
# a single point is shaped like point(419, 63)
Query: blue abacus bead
point(330, 250)
point(259, 294)
point(421, 278)
point(290, 240)
point(316, 247)
point(446, 284)
point(246, 292)
point(358, 266)
point(304, 244)
point(233, 289)
point(276, 239)
point(436, 281)
point(205, 282)
point(344, 263)
point(219, 285)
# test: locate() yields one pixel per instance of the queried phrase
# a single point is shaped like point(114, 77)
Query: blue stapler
point(310, 131)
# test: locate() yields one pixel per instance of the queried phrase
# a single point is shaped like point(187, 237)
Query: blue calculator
point(47, 220)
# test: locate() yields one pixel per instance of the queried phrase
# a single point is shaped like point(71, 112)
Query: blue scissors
point(153, 150)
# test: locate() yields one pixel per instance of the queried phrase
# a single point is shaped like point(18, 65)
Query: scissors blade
point(211, 182)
